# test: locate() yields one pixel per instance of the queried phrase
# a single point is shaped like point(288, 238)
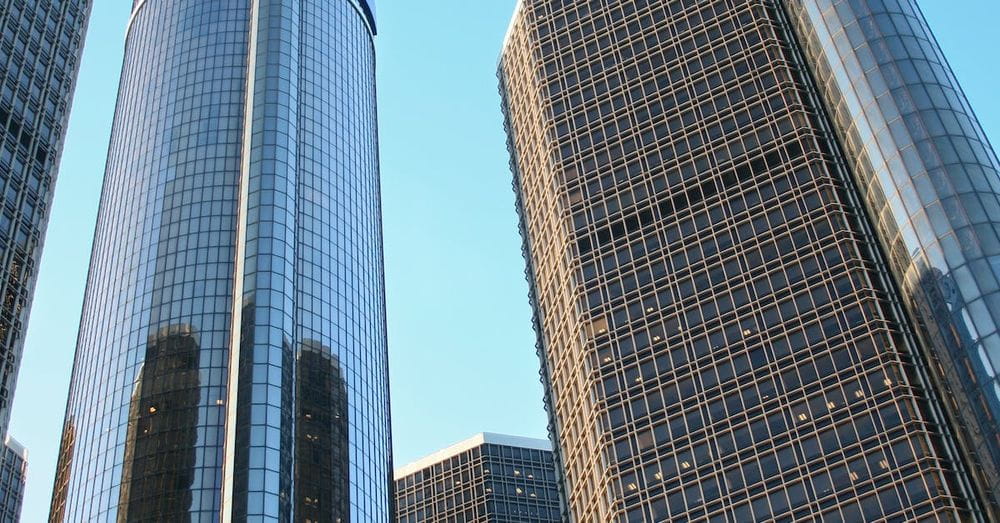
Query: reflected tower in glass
point(233, 321)
point(930, 180)
point(322, 451)
point(162, 433)
point(735, 318)
point(40, 46)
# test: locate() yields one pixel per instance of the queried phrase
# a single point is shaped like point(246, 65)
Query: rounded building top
point(368, 6)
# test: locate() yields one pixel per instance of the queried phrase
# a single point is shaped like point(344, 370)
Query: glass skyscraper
point(489, 478)
point(760, 239)
point(40, 46)
point(231, 359)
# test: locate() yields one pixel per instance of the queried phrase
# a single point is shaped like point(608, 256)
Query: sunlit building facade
point(930, 180)
point(489, 478)
point(737, 294)
point(231, 361)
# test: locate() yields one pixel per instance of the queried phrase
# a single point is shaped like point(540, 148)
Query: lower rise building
point(487, 478)
point(13, 474)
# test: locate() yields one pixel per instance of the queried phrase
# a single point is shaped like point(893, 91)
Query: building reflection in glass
point(162, 429)
point(322, 454)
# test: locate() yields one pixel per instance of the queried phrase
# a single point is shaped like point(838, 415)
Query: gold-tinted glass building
point(722, 334)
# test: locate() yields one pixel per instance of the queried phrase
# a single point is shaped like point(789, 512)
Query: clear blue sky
point(460, 338)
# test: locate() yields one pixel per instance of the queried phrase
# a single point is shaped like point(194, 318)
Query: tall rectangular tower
point(930, 181)
point(40, 46)
point(231, 363)
point(489, 478)
point(721, 334)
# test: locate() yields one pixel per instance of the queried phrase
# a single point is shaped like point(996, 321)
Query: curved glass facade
point(237, 256)
point(931, 184)
point(369, 7)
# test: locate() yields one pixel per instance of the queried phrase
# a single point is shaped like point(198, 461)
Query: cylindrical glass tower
point(231, 361)
point(931, 183)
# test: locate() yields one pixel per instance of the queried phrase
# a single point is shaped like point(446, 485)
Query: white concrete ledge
point(469, 444)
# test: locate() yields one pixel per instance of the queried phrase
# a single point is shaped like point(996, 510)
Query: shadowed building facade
point(42, 41)
point(40, 46)
point(238, 237)
point(13, 478)
point(489, 478)
point(726, 325)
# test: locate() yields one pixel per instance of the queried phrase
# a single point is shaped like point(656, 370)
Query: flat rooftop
point(469, 444)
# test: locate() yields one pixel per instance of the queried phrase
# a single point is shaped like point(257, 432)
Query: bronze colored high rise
point(722, 334)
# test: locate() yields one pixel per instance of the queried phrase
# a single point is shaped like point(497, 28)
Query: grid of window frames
point(340, 299)
point(40, 46)
point(163, 255)
point(491, 482)
point(159, 446)
point(717, 334)
point(13, 474)
point(934, 183)
point(176, 212)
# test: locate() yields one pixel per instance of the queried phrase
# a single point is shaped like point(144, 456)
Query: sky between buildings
point(462, 356)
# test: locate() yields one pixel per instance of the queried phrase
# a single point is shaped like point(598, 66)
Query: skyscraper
point(758, 238)
point(489, 478)
point(930, 180)
point(39, 58)
point(40, 46)
point(237, 256)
